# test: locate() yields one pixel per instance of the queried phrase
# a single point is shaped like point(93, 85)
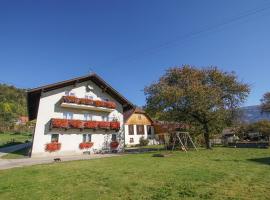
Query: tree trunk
point(206, 137)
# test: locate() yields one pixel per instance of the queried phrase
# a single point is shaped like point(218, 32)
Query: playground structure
point(171, 135)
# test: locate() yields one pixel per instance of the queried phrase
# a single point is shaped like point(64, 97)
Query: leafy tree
point(265, 102)
point(207, 98)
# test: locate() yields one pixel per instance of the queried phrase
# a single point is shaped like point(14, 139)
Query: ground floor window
point(149, 130)
point(54, 137)
point(87, 137)
point(131, 129)
point(140, 129)
point(113, 137)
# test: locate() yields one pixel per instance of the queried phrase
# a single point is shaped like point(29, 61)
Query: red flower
point(115, 125)
point(59, 123)
point(53, 146)
point(99, 103)
point(86, 101)
point(86, 145)
point(104, 125)
point(70, 99)
point(110, 104)
point(114, 144)
point(75, 124)
point(91, 124)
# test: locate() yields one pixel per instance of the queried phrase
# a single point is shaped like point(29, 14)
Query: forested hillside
point(12, 105)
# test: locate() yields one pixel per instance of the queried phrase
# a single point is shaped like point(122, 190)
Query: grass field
point(8, 139)
point(222, 173)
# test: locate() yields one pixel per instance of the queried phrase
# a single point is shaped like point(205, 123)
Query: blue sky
point(131, 43)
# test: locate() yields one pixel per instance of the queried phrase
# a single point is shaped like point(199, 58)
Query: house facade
point(138, 124)
point(81, 115)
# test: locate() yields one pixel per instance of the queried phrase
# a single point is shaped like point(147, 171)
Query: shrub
point(143, 142)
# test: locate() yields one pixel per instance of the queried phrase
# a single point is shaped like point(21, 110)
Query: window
point(140, 129)
point(54, 138)
point(113, 137)
point(105, 118)
point(130, 129)
point(68, 115)
point(68, 93)
point(87, 117)
point(87, 137)
point(149, 130)
point(131, 140)
point(89, 97)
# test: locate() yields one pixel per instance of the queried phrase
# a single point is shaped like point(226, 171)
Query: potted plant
point(59, 123)
point(53, 146)
point(104, 125)
point(75, 124)
point(91, 124)
point(115, 125)
point(86, 145)
point(114, 145)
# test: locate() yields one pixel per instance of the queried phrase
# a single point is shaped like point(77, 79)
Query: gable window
point(140, 129)
point(149, 130)
point(87, 117)
point(68, 115)
point(68, 93)
point(113, 137)
point(87, 137)
point(54, 137)
point(89, 97)
point(131, 140)
point(139, 117)
point(131, 129)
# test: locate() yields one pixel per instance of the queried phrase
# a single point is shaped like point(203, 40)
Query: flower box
point(110, 104)
point(114, 144)
point(115, 125)
point(91, 124)
point(53, 146)
point(104, 125)
point(76, 124)
point(59, 123)
point(99, 103)
point(84, 101)
point(70, 99)
point(86, 145)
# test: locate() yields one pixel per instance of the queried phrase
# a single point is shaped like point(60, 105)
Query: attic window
point(68, 93)
point(139, 117)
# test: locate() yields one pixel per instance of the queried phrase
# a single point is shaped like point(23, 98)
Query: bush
point(143, 142)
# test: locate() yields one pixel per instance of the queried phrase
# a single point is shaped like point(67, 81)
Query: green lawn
point(8, 139)
point(222, 173)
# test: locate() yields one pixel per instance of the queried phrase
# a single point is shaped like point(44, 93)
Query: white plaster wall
point(49, 107)
point(136, 137)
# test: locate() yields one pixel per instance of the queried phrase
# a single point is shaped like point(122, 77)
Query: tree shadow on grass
point(265, 161)
point(22, 153)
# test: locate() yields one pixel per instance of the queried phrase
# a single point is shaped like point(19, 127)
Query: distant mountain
point(251, 114)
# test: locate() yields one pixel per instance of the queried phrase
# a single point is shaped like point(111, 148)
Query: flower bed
point(115, 125)
point(86, 145)
point(114, 144)
point(104, 125)
point(91, 124)
point(76, 124)
point(59, 123)
point(53, 146)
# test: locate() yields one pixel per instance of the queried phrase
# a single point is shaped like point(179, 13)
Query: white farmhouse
point(77, 116)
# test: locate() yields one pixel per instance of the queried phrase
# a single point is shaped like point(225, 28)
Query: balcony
point(80, 124)
point(87, 104)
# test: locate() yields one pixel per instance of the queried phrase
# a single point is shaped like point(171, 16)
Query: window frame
point(54, 139)
point(140, 132)
point(130, 127)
